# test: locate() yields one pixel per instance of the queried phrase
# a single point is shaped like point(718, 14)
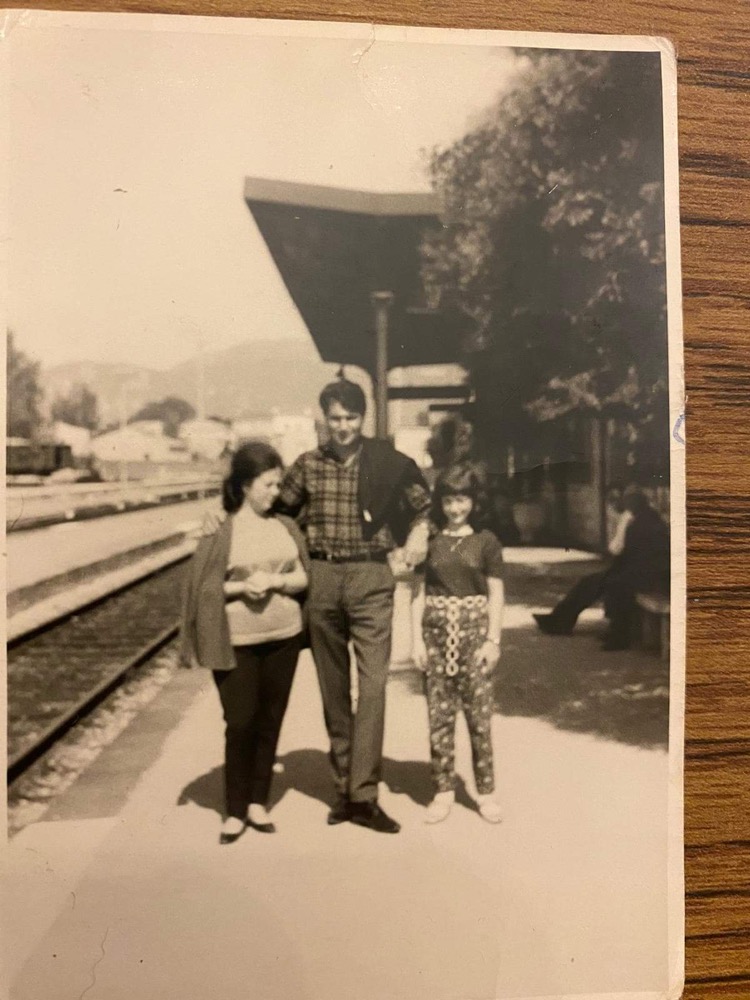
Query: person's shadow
point(306, 771)
point(414, 778)
point(309, 772)
point(206, 791)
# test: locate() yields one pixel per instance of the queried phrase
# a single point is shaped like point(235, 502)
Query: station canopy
point(334, 248)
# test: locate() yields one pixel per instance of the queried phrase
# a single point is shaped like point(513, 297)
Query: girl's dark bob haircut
point(459, 480)
point(251, 460)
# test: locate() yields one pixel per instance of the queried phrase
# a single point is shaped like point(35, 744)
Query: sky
point(129, 237)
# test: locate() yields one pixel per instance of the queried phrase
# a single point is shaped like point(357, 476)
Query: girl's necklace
point(459, 536)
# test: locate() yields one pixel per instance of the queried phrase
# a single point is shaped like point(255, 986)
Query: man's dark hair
point(251, 460)
point(636, 501)
point(347, 394)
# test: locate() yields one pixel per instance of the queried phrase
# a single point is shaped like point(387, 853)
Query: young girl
point(457, 618)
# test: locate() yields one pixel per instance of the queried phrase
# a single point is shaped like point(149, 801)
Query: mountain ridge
point(254, 376)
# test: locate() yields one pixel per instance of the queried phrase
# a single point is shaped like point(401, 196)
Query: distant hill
point(252, 377)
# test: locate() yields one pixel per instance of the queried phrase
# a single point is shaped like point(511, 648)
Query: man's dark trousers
point(586, 592)
point(353, 601)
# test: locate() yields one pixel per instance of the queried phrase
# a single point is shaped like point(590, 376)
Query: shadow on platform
point(308, 772)
point(414, 778)
point(573, 684)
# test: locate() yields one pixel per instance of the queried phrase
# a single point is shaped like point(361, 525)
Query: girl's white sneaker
point(489, 808)
point(440, 807)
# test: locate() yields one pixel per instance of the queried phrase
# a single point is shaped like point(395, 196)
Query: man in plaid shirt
point(356, 499)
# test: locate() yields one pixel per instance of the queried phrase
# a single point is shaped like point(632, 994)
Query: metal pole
point(381, 302)
point(601, 478)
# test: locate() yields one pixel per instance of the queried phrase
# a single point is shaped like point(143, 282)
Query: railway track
point(59, 673)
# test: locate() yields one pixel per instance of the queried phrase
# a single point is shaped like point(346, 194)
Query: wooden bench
point(653, 625)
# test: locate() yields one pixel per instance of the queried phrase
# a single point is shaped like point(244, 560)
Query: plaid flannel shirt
point(324, 490)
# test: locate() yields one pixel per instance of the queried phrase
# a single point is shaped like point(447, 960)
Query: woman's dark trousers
point(254, 697)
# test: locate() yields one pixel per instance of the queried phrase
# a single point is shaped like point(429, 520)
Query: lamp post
point(381, 303)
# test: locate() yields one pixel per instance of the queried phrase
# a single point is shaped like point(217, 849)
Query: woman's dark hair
point(347, 394)
point(251, 460)
point(460, 480)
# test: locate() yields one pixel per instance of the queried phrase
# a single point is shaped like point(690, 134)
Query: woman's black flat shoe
point(262, 827)
point(229, 838)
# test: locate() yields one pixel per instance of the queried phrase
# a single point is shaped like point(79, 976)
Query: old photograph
point(344, 512)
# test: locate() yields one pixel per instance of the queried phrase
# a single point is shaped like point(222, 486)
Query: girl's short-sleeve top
point(459, 566)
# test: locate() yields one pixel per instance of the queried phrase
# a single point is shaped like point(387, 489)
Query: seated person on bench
point(640, 548)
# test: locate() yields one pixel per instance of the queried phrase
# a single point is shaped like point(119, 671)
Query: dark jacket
point(204, 633)
point(645, 557)
point(384, 475)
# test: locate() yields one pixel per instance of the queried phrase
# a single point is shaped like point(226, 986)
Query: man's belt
point(358, 557)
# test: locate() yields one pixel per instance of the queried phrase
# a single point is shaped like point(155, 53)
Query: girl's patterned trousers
point(454, 628)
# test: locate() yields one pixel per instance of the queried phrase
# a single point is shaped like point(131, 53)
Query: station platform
point(32, 506)
point(122, 890)
point(43, 553)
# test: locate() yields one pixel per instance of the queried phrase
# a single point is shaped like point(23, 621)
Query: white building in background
point(134, 444)
point(78, 438)
point(253, 427)
point(413, 441)
point(293, 434)
point(152, 428)
point(290, 434)
point(206, 438)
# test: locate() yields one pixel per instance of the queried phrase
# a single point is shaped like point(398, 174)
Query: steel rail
point(22, 761)
point(19, 762)
point(128, 583)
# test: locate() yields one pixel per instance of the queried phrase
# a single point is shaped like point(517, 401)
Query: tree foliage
point(79, 407)
point(24, 393)
point(451, 442)
point(553, 240)
point(172, 411)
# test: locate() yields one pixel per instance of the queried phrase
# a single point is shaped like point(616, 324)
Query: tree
point(24, 394)
point(451, 442)
point(172, 411)
point(553, 243)
point(79, 407)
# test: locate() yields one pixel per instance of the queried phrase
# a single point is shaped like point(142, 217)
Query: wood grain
point(712, 39)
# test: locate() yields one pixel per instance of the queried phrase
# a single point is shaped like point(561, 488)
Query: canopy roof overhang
point(334, 248)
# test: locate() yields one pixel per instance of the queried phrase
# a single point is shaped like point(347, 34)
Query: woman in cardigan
point(243, 621)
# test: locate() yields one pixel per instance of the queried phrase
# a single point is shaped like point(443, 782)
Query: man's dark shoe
point(551, 626)
point(370, 815)
point(340, 813)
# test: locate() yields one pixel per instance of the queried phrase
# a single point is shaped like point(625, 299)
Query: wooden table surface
point(712, 39)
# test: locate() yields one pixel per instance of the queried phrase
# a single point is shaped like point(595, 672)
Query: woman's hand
point(419, 653)
point(487, 655)
point(259, 583)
